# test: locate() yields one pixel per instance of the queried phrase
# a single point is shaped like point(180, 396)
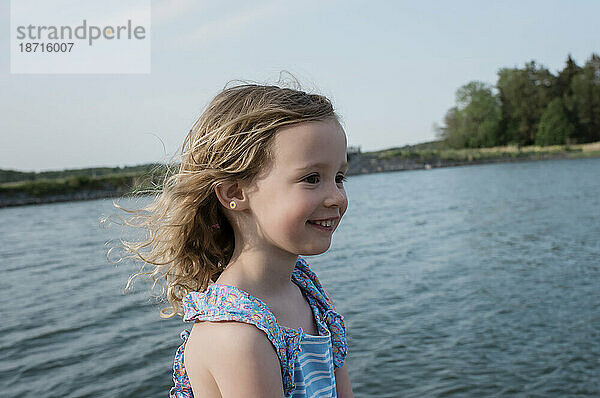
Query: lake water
point(478, 281)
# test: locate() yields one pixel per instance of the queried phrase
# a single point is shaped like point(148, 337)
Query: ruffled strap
point(228, 303)
point(182, 387)
point(317, 296)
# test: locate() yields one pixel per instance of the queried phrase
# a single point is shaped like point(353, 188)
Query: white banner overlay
point(80, 36)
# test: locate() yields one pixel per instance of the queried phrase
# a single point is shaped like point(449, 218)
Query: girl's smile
point(321, 227)
point(325, 225)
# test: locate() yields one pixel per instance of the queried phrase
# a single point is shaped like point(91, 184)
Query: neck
point(262, 273)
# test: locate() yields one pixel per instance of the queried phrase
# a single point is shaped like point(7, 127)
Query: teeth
point(324, 223)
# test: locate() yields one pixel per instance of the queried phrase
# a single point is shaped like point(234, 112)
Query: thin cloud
point(225, 26)
point(165, 11)
point(162, 12)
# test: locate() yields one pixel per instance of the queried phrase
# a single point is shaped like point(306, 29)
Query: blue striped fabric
point(314, 374)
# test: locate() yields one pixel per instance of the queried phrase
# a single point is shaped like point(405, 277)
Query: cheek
point(290, 215)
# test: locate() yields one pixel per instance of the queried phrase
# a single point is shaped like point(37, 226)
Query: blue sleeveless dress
point(307, 361)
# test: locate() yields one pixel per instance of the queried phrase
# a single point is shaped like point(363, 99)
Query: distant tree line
point(14, 175)
point(527, 106)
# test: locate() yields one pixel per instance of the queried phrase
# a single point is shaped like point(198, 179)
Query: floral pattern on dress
point(228, 303)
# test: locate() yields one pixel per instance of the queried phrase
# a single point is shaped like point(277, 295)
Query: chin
point(315, 251)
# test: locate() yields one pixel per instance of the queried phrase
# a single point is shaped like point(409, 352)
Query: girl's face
point(304, 183)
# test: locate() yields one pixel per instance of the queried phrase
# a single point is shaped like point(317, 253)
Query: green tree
point(474, 122)
point(524, 94)
point(554, 127)
point(565, 77)
point(585, 100)
point(449, 133)
point(564, 83)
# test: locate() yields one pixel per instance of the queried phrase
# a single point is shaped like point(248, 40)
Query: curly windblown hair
point(231, 141)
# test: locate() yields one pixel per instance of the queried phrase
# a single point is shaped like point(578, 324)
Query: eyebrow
point(319, 165)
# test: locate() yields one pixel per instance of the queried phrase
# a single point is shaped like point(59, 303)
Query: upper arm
point(342, 383)
point(239, 356)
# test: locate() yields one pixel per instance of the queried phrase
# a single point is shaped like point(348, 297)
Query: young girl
point(261, 183)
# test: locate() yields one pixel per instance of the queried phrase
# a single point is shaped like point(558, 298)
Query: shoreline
point(370, 164)
point(367, 163)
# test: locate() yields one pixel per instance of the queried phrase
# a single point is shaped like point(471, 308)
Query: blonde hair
point(231, 141)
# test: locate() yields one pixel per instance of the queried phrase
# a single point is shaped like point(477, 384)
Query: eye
point(312, 177)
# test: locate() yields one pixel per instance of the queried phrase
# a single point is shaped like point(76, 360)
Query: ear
point(232, 191)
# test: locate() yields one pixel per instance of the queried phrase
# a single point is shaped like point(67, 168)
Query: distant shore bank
point(422, 156)
point(400, 159)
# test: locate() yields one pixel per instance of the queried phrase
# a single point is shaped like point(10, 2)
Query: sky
point(391, 69)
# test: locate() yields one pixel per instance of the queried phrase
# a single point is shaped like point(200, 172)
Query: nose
point(336, 196)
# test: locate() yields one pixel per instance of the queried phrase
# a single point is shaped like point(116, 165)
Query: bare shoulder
point(232, 359)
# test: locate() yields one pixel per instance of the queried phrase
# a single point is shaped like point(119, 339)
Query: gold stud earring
point(232, 204)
